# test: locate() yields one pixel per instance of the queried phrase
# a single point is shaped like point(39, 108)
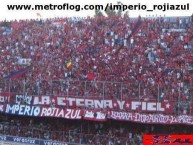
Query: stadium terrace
point(95, 81)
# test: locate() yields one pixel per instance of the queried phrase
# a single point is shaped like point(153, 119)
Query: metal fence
point(180, 94)
point(70, 137)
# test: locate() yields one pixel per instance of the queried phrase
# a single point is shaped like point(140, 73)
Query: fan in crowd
point(84, 132)
point(115, 56)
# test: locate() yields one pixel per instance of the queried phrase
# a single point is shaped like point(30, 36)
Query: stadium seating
point(99, 57)
point(83, 132)
point(103, 57)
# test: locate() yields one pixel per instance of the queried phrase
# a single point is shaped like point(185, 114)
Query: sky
point(32, 14)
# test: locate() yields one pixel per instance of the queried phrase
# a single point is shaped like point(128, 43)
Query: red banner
point(152, 118)
point(96, 115)
point(149, 106)
point(131, 105)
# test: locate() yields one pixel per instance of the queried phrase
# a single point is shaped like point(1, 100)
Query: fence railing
point(180, 94)
point(68, 137)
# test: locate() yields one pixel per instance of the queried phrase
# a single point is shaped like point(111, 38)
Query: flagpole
point(9, 87)
point(24, 83)
point(39, 87)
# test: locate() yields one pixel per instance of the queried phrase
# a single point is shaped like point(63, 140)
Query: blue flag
point(18, 73)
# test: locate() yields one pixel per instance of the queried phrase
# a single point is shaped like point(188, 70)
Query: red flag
point(90, 76)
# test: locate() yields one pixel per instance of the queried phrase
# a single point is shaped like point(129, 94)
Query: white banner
point(24, 61)
point(151, 118)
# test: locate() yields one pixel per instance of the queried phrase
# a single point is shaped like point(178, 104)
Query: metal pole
point(157, 109)
point(38, 86)
point(139, 94)
point(121, 91)
point(103, 89)
point(69, 136)
point(67, 91)
point(63, 133)
point(51, 87)
point(85, 94)
point(103, 93)
point(139, 90)
point(9, 87)
point(179, 99)
point(85, 87)
point(32, 133)
point(24, 83)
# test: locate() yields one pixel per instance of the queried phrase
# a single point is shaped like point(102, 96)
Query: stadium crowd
point(84, 132)
point(96, 57)
point(105, 53)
